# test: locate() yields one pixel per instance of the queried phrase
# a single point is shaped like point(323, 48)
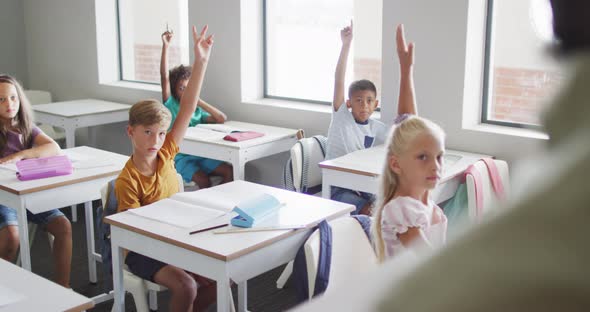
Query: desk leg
point(223, 297)
point(92, 136)
point(23, 232)
point(239, 166)
point(243, 296)
point(90, 241)
point(326, 184)
point(119, 290)
point(71, 142)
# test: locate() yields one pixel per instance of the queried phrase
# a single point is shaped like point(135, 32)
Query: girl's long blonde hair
point(24, 117)
point(399, 141)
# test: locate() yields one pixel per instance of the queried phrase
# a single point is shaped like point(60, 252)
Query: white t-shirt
point(403, 213)
point(346, 135)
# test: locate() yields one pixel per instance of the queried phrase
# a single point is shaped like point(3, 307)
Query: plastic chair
point(352, 253)
point(493, 188)
point(139, 288)
point(306, 177)
point(44, 97)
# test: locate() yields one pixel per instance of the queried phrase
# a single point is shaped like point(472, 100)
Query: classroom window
point(141, 24)
point(302, 44)
point(520, 74)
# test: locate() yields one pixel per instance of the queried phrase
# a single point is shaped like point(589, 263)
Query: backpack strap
point(322, 142)
point(325, 259)
point(305, 167)
point(323, 268)
point(288, 176)
point(472, 171)
point(497, 184)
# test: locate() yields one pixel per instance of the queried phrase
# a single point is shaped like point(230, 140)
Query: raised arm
point(190, 97)
point(216, 116)
point(43, 146)
point(407, 97)
point(340, 75)
point(164, 74)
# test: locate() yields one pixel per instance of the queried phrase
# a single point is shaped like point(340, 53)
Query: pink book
point(242, 136)
point(39, 168)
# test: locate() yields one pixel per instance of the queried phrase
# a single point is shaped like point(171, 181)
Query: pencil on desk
point(208, 228)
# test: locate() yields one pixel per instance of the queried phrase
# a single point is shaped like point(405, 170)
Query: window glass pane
point(522, 73)
point(303, 44)
point(141, 24)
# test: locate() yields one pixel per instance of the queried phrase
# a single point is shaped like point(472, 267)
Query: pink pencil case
point(242, 136)
point(39, 168)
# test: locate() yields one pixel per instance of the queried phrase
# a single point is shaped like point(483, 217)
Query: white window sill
point(298, 106)
point(133, 85)
point(510, 131)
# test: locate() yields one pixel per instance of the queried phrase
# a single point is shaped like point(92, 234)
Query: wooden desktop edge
point(328, 165)
point(58, 184)
point(82, 307)
point(236, 145)
point(216, 255)
point(80, 115)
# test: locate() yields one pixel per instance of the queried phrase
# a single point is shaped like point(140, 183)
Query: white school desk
point(82, 186)
point(360, 170)
point(71, 115)
point(220, 257)
point(37, 293)
point(210, 144)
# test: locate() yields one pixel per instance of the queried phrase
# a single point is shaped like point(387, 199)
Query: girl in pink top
point(406, 216)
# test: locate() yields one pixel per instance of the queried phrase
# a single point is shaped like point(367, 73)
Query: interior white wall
point(13, 55)
point(62, 58)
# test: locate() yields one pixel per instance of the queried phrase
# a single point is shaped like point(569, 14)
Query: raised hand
point(405, 52)
point(167, 37)
point(203, 44)
point(346, 34)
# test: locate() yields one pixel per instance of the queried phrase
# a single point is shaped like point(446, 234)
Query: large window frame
point(266, 67)
point(487, 76)
point(120, 53)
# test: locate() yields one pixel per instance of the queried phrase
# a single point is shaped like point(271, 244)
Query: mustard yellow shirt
point(134, 189)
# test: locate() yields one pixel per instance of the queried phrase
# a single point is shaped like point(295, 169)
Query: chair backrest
point(38, 96)
point(108, 207)
point(352, 253)
point(301, 173)
point(480, 180)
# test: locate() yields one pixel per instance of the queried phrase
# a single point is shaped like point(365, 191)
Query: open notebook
point(190, 209)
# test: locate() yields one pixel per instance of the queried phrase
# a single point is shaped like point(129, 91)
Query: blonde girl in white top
point(405, 215)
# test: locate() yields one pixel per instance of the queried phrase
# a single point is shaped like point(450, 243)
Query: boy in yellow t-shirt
point(149, 175)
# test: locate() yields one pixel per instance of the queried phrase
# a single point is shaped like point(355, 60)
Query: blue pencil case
point(254, 210)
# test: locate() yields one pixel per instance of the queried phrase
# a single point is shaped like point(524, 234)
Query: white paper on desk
point(9, 296)
point(204, 134)
point(219, 128)
point(210, 198)
point(11, 167)
point(177, 213)
point(75, 156)
point(92, 163)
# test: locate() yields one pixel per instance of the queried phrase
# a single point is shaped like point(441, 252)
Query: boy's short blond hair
point(149, 112)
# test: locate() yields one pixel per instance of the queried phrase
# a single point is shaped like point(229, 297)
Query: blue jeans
point(8, 217)
point(358, 199)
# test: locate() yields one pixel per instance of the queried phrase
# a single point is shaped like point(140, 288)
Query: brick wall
point(518, 94)
point(147, 61)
